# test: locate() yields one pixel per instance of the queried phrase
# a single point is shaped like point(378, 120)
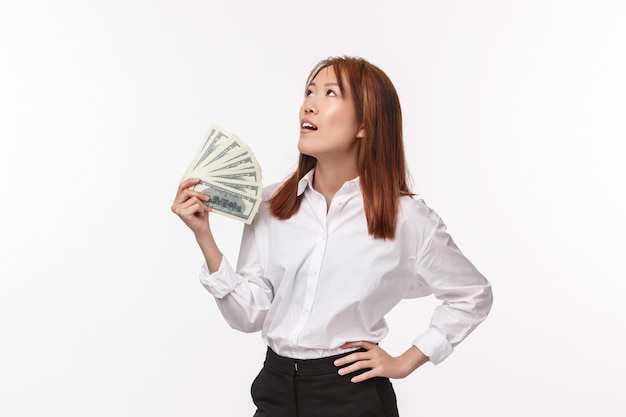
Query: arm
point(379, 361)
point(466, 300)
point(465, 294)
point(242, 298)
point(189, 206)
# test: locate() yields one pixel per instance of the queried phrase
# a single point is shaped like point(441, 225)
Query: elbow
point(483, 302)
point(489, 298)
point(246, 322)
point(246, 326)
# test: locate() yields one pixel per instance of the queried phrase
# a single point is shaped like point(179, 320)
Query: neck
point(329, 178)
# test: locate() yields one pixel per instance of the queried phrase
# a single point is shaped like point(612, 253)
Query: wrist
point(413, 358)
point(204, 238)
point(212, 254)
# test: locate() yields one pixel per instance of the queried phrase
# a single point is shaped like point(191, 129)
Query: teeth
point(307, 125)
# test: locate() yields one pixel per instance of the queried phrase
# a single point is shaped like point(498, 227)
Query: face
point(328, 124)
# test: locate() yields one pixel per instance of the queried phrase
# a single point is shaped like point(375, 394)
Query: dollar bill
point(221, 154)
point(247, 187)
point(230, 174)
point(229, 202)
point(243, 162)
point(213, 138)
point(251, 176)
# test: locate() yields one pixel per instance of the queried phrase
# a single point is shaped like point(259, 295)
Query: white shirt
point(317, 280)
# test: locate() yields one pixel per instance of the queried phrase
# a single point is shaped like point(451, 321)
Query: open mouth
point(308, 126)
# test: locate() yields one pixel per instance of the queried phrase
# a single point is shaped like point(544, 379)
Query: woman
point(332, 250)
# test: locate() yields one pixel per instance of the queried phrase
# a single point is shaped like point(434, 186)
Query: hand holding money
point(229, 174)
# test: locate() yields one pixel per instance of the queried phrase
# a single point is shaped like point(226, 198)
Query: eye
point(308, 92)
point(330, 93)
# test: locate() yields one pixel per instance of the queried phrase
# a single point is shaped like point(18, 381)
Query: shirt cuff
point(434, 345)
point(221, 282)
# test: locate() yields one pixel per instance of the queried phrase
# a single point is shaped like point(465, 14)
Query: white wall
point(514, 125)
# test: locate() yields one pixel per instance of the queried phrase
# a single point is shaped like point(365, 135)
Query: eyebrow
point(325, 85)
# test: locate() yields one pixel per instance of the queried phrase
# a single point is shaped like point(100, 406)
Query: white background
point(514, 116)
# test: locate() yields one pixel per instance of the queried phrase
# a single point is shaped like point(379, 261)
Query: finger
point(356, 366)
point(368, 346)
point(351, 358)
point(190, 208)
point(364, 376)
point(185, 185)
point(198, 194)
point(359, 343)
point(191, 214)
point(186, 195)
point(192, 200)
point(188, 183)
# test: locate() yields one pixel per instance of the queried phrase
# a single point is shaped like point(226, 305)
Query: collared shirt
point(318, 279)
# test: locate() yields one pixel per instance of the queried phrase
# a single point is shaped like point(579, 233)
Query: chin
point(304, 149)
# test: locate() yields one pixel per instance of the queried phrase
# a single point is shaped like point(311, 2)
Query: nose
point(309, 107)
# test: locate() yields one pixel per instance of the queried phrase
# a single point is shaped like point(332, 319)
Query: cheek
point(342, 119)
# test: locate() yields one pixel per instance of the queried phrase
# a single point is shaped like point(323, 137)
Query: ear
point(360, 133)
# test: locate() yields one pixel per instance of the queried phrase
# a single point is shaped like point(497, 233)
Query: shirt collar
point(307, 181)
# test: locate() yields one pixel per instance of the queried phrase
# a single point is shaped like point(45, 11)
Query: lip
point(305, 130)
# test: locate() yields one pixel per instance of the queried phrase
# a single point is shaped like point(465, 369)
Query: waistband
point(289, 366)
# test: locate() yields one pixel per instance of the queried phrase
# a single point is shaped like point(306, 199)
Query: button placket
point(312, 278)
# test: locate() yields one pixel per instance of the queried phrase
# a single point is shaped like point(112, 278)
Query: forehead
point(326, 74)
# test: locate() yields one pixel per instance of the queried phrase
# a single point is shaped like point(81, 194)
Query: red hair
point(384, 177)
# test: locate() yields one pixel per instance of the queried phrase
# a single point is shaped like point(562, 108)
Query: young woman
point(332, 250)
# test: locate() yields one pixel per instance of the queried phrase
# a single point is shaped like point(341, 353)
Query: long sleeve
point(465, 293)
point(318, 279)
point(243, 297)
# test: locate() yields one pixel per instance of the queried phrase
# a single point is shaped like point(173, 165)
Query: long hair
point(381, 163)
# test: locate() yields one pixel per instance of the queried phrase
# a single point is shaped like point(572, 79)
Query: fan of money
point(229, 174)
